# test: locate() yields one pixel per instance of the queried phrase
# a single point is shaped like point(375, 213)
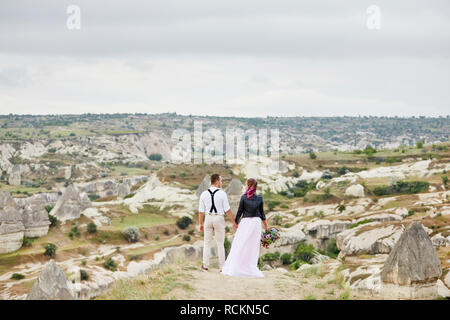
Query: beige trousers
point(216, 224)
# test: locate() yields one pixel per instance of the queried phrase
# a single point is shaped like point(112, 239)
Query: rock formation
point(204, 185)
point(109, 187)
point(70, 205)
point(11, 225)
point(235, 188)
point(355, 190)
point(123, 190)
point(14, 177)
point(35, 218)
point(412, 268)
point(369, 238)
point(51, 285)
point(320, 231)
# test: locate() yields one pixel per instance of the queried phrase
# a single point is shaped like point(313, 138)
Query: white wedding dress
point(242, 261)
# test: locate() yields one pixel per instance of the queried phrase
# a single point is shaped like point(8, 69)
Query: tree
point(155, 157)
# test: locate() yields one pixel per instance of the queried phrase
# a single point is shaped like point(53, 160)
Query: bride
point(242, 261)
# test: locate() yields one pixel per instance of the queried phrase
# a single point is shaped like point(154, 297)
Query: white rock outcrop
point(11, 224)
point(361, 240)
point(355, 190)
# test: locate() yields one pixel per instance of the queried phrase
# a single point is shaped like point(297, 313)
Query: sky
point(251, 58)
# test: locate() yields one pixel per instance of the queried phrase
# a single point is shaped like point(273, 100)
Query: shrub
point(50, 250)
point(342, 170)
point(304, 252)
point(184, 222)
point(110, 264)
point(83, 275)
point(53, 221)
point(272, 204)
point(166, 232)
point(332, 249)
point(312, 155)
point(227, 245)
point(155, 157)
point(130, 195)
point(277, 219)
point(296, 264)
point(369, 150)
point(354, 225)
point(191, 232)
point(419, 144)
point(444, 180)
point(17, 276)
point(74, 232)
point(48, 208)
point(286, 258)
point(408, 187)
point(131, 234)
point(93, 196)
point(92, 228)
point(186, 238)
point(271, 256)
point(341, 208)
point(27, 242)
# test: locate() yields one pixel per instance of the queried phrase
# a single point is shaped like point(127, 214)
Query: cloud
point(242, 58)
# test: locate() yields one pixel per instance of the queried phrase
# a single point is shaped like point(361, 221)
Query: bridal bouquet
point(270, 236)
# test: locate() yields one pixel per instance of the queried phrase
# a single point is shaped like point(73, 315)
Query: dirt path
point(275, 285)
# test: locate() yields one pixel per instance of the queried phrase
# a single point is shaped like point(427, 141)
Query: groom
point(214, 202)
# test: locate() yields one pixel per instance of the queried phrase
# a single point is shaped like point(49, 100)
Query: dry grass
point(162, 283)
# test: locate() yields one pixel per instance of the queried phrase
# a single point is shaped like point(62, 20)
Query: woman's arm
point(240, 210)
point(263, 216)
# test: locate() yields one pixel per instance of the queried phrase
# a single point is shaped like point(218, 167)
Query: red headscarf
point(251, 191)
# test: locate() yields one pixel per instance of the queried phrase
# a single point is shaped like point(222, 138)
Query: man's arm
point(200, 220)
point(226, 206)
point(201, 212)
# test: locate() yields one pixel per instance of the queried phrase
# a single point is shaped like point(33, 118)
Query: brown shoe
point(203, 268)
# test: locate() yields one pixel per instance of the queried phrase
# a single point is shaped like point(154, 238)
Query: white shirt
point(220, 201)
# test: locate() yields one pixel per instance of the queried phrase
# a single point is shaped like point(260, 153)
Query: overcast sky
point(233, 57)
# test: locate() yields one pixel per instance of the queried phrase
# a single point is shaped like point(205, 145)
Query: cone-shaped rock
point(235, 188)
point(204, 185)
point(70, 205)
point(50, 285)
point(413, 266)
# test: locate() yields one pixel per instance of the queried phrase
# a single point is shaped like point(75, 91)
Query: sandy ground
point(276, 285)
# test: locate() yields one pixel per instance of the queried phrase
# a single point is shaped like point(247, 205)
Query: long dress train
point(242, 261)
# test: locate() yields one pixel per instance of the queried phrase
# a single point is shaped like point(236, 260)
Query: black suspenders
point(213, 207)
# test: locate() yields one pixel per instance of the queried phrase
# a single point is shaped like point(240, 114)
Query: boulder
point(412, 268)
point(355, 190)
point(442, 290)
point(206, 183)
point(367, 239)
point(51, 284)
point(439, 240)
point(11, 225)
point(70, 205)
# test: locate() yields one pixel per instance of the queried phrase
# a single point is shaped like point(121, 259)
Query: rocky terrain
point(359, 224)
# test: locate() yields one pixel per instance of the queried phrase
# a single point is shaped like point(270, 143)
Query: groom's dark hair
point(214, 178)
